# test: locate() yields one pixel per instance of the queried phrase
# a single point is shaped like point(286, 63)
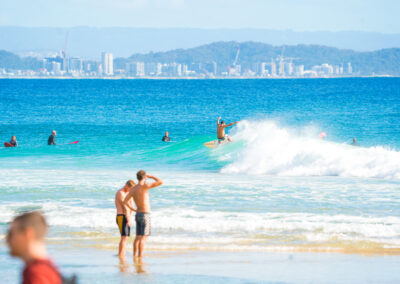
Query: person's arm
point(157, 182)
point(230, 124)
point(126, 203)
point(218, 120)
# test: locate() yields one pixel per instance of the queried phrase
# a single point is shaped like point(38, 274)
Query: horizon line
point(200, 28)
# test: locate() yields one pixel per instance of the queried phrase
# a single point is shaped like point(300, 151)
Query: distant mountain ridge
point(89, 42)
point(380, 62)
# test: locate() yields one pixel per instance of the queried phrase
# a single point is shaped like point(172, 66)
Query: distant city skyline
point(305, 15)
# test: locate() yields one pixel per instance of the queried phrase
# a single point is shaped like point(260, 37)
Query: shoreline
point(191, 78)
point(98, 266)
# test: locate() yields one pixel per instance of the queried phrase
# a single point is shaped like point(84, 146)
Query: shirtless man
point(123, 215)
point(221, 130)
point(141, 196)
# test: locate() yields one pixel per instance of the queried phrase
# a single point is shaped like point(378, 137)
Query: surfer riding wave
point(222, 137)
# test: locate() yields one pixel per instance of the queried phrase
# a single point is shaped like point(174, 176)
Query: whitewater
point(275, 150)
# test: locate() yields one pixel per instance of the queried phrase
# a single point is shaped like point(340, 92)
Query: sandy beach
point(103, 266)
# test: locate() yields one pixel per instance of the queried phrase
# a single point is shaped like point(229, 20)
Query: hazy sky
point(298, 15)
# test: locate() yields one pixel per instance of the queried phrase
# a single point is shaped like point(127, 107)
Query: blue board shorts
point(143, 224)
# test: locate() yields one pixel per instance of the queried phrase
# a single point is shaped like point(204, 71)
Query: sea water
point(276, 187)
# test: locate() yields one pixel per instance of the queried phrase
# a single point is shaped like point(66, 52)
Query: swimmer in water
point(52, 138)
point(354, 143)
point(13, 141)
point(166, 137)
point(221, 131)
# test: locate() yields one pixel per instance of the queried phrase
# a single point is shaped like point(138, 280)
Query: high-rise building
point(76, 64)
point(263, 69)
point(327, 69)
point(273, 68)
point(281, 68)
point(56, 68)
point(349, 68)
point(210, 67)
point(172, 70)
point(299, 70)
point(108, 63)
point(135, 69)
point(289, 68)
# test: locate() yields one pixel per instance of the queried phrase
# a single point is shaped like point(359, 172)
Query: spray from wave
point(274, 150)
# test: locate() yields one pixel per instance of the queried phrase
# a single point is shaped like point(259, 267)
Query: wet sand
point(96, 266)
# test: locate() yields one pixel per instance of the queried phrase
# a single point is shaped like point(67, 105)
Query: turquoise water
point(277, 187)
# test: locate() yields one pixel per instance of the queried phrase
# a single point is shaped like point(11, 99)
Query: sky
point(297, 15)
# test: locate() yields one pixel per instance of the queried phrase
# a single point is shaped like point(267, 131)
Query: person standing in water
point(354, 143)
point(13, 141)
point(166, 137)
point(221, 130)
point(52, 138)
point(141, 196)
point(123, 216)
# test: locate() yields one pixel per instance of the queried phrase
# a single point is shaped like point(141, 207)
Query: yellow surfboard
point(215, 143)
point(211, 144)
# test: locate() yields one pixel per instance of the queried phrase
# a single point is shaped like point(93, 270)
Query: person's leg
point(141, 245)
point(122, 246)
point(228, 138)
point(136, 246)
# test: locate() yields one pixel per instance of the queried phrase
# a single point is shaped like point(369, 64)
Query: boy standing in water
point(141, 196)
point(123, 215)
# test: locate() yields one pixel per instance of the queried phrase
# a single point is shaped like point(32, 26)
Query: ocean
point(276, 188)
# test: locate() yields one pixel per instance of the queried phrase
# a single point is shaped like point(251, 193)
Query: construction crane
point(64, 50)
point(237, 57)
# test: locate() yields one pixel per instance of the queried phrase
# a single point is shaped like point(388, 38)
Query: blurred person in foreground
point(25, 239)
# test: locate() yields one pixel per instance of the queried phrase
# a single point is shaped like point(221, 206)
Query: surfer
point(221, 130)
point(13, 141)
point(122, 219)
point(354, 143)
point(52, 138)
point(141, 196)
point(166, 137)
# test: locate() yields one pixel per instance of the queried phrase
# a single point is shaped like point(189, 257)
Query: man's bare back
point(141, 197)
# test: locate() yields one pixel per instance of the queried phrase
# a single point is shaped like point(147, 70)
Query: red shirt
point(41, 271)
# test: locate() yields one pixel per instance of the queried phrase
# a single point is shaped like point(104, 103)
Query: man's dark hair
point(34, 220)
point(141, 175)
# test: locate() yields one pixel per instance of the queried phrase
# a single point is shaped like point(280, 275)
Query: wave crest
point(274, 150)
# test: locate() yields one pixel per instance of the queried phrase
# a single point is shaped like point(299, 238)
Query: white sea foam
point(191, 228)
point(274, 150)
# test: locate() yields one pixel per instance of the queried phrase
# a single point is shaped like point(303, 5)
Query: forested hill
point(384, 61)
point(10, 60)
point(379, 62)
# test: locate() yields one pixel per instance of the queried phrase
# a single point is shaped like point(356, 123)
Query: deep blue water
point(113, 117)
